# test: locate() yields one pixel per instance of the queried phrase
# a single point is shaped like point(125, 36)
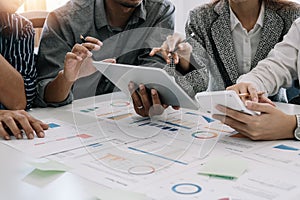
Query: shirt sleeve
point(55, 42)
point(280, 68)
point(22, 54)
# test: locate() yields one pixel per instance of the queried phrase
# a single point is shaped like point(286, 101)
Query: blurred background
point(182, 8)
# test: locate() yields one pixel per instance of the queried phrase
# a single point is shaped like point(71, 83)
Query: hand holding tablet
point(170, 93)
point(229, 98)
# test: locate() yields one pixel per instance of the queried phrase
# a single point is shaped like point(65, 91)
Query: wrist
point(58, 89)
point(63, 76)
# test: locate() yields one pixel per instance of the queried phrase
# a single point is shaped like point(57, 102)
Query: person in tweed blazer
point(211, 26)
point(214, 19)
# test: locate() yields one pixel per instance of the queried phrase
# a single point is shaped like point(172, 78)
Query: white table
point(14, 167)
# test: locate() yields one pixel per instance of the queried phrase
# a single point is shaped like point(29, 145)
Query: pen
point(82, 39)
point(247, 94)
point(183, 41)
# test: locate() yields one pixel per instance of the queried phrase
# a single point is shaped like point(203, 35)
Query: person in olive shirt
point(125, 29)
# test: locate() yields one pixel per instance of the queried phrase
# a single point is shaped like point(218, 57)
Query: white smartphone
point(229, 98)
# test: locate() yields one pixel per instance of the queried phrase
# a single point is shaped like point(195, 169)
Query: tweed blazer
point(213, 20)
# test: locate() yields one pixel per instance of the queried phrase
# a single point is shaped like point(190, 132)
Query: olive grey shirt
point(148, 27)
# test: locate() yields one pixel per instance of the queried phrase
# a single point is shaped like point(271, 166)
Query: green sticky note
point(224, 167)
point(50, 166)
point(40, 178)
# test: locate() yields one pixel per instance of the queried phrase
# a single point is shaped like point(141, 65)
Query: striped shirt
point(17, 47)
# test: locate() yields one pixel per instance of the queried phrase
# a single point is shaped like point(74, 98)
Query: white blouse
point(246, 43)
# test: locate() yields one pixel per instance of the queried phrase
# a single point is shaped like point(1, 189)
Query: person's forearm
point(58, 90)
point(12, 92)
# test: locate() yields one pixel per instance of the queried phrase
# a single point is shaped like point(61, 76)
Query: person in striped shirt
point(17, 74)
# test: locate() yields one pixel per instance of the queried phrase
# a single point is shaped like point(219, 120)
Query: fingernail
point(96, 47)
point(153, 92)
point(248, 103)
point(30, 136)
point(19, 136)
point(255, 99)
point(100, 43)
point(7, 137)
point(89, 54)
point(41, 134)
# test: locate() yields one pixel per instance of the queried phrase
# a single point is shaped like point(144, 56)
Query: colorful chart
point(185, 124)
point(108, 113)
point(209, 120)
point(88, 110)
point(141, 170)
point(191, 113)
point(156, 155)
point(285, 147)
point(218, 129)
point(163, 127)
point(53, 125)
point(120, 117)
point(186, 188)
point(120, 104)
point(82, 136)
point(204, 135)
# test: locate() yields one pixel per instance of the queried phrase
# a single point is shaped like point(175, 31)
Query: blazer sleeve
point(197, 79)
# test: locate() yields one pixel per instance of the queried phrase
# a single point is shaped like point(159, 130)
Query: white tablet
point(153, 78)
point(229, 98)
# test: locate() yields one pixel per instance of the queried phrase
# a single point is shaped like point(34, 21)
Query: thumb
point(260, 107)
